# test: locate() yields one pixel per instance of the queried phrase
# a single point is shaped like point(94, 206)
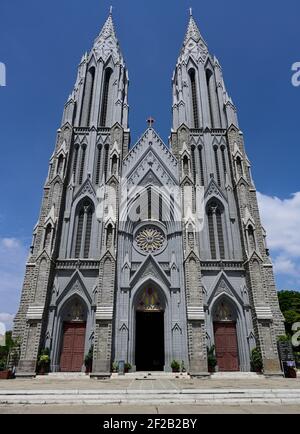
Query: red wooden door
point(72, 355)
point(226, 347)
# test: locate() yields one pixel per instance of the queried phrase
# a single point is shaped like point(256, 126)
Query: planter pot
point(175, 371)
point(4, 375)
point(211, 369)
point(43, 370)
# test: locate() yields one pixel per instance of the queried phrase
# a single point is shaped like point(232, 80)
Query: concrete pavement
point(151, 410)
point(168, 395)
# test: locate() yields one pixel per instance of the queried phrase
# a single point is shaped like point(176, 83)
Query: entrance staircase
point(236, 376)
point(64, 376)
point(151, 376)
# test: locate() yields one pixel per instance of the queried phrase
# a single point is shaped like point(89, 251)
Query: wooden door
point(72, 356)
point(226, 346)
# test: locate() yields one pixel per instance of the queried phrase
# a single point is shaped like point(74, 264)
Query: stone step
point(237, 376)
point(151, 376)
point(63, 376)
point(146, 397)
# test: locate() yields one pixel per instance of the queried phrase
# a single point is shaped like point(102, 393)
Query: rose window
point(150, 239)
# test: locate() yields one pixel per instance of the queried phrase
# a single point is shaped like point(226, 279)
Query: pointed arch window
point(75, 162)
point(192, 75)
point(114, 165)
point(216, 224)
point(160, 207)
point(201, 165)
point(217, 165)
point(251, 239)
point(172, 207)
point(98, 165)
point(211, 230)
point(209, 76)
point(185, 165)
point(239, 167)
point(224, 160)
point(90, 104)
point(106, 162)
point(82, 164)
point(88, 98)
point(60, 165)
point(47, 239)
point(149, 195)
point(88, 231)
point(107, 77)
point(84, 221)
point(109, 237)
point(194, 164)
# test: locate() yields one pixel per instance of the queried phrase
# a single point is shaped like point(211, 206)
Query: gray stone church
point(154, 252)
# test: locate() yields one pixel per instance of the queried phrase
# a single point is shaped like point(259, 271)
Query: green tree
point(290, 306)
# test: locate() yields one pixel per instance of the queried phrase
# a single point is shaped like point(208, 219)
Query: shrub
point(175, 365)
point(256, 360)
point(211, 358)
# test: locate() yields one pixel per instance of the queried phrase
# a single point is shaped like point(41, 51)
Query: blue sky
point(42, 44)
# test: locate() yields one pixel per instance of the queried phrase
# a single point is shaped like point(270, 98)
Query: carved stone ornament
point(150, 239)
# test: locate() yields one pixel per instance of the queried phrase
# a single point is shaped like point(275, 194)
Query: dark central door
point(226, 346)
point(72, 356)
point(150, 348)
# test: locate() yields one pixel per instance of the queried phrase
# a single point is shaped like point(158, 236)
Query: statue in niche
point(76, 312)
point(223, 313)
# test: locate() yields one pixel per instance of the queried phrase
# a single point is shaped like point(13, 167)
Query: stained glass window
point(149, 301)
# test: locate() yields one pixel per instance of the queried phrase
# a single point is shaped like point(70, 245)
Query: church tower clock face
point(150, 239)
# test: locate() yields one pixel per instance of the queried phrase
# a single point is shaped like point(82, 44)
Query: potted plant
point(127, 368)
point(175, 365)
point(4, 373)
point(115, 367)
point(211, 359)
point(256, 361)
point(88, 361)
point(44, 361)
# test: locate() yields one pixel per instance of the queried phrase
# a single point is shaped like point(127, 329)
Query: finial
point(150, 121)
point(191, 12)
point(110, 10)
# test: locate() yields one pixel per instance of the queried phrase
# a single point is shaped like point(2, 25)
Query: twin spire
point(193, 31)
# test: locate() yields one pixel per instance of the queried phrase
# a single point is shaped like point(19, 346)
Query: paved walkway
point(151, 410)
point(85, 383)
point(146, 394)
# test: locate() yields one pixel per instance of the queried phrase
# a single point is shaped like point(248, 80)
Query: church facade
point(151, 253)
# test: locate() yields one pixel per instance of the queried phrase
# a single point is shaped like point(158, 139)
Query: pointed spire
point(107, 43)
point(192, 30)
point(108, 28)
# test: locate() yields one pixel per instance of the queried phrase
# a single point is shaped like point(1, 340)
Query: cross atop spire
point(150, 121)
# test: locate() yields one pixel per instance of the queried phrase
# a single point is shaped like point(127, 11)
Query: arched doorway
point(73, 336)
point(225, 333)
point(150, 341)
